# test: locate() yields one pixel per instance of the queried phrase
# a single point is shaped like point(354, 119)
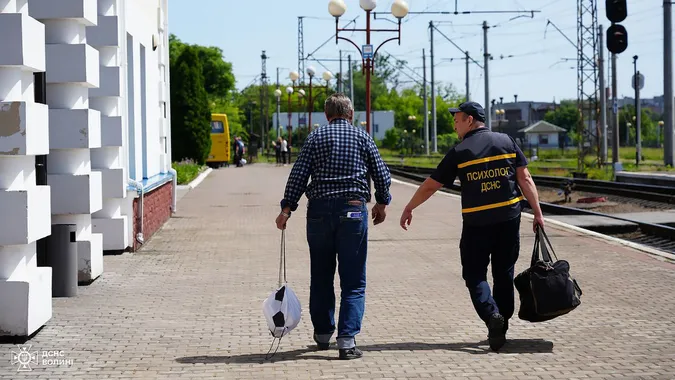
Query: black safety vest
point(486, 167)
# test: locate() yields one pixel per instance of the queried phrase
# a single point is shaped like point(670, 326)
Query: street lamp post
point(289, 91)
point(337, 8)
point(277, 94)
point(327, 76)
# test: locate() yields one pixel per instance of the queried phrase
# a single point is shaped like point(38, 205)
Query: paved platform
point(188, 305)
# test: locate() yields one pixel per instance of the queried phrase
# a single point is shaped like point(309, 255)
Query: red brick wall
point(156, 211)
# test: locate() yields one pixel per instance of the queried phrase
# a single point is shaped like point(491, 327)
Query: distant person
point(284, 151)
point(493, 171)
point(338, 157)
point(277, 150)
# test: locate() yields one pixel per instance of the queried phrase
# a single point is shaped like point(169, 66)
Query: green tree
point(565, 116)
point(190, 113)
point(218, 77)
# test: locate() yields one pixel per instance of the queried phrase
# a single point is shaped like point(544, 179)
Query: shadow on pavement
point(512, 346)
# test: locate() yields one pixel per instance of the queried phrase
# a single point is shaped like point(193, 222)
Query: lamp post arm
point(350, 41)
point(385, 41)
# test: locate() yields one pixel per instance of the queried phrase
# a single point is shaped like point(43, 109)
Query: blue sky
point(535, 72)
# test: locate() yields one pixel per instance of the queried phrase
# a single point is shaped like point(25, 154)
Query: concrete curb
point(195, 182)
point(664, 256)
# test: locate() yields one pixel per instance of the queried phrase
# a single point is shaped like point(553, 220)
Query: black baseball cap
point(470, 108)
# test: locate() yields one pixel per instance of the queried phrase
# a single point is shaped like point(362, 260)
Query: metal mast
point(263, 100)
point(587, 75)
point(301, 50)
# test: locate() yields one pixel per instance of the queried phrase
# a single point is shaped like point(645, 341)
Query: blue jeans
point(332, 232)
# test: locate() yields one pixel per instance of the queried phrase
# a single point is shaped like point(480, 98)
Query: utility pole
point(467, 75)
point(669, 119)
point(351, 79)
point(486, 57)
point(301, 50)
point(433, 91)
point(263, 96)
point(426, 102)
point(340, 84)
point(638, 111)
point(278, 131)
point(615, 116)
point(603, 99)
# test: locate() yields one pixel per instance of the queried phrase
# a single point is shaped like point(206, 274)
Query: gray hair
point(338, 105)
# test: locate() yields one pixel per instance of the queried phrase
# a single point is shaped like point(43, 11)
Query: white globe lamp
point(289, 90)
point(277, 93)
point(311, 71)
point(327, 76)
point(337, 8)
point(399, 9)
point(368, 5)
point(294, 76)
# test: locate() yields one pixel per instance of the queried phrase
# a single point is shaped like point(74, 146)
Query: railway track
point(656, 236)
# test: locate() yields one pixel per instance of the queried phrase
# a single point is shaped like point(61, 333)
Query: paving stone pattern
point(188, 304)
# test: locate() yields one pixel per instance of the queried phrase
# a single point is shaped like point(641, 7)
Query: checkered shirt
point(337, 156)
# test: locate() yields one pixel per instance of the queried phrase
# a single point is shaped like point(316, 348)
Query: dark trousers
point(332, 233)
point(277, 153)
point(499, 243)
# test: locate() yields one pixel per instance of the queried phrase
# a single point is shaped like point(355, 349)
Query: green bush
point(186, 171)
point(190, 112)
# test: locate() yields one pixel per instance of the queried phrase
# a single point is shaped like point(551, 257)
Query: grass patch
point(186, 171)
point(553, 162)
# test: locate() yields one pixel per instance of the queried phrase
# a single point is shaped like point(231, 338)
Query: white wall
point(533, 138)
point(25, 288)
point(84, 131)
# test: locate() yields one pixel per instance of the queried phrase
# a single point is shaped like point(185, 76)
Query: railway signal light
point(617, 39)
point(616, 10)
point(617, 36)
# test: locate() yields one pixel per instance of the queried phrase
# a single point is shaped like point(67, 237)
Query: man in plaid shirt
point(339, 157)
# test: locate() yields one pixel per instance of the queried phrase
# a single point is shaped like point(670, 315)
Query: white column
point(25, 288)
point(107, 36)
point(72, 70)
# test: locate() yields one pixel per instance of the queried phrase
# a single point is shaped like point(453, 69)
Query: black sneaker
point(321, 346)
point(350, 353)
point(496, 332)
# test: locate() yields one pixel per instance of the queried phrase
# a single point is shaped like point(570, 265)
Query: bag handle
point(282, 259)
point(546, 255)
point(535, 251)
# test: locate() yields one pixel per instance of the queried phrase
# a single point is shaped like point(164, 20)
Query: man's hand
point(406, 218)
point(282, 219)
point(379, 213)
point(538, 221)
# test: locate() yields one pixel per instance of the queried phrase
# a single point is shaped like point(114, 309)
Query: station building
point(84, 140)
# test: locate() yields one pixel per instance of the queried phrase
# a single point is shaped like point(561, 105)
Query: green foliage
point(218, 77)
point(190, 113)
point(649, 122)
point(565, 116)
point(392, 138)
point(186, 171)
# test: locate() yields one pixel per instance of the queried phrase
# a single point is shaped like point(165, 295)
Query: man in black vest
point(493, 171)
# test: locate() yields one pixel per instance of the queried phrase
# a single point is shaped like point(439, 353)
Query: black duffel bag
point(546, 288)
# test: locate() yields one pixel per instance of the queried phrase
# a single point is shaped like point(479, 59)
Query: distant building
point(381, 121)
point(511, 118)
point(543, 134)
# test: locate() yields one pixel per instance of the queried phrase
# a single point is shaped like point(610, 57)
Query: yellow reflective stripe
point(486, 159)
point(494, 205)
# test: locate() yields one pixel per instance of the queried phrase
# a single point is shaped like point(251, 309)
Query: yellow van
point(220, 141)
